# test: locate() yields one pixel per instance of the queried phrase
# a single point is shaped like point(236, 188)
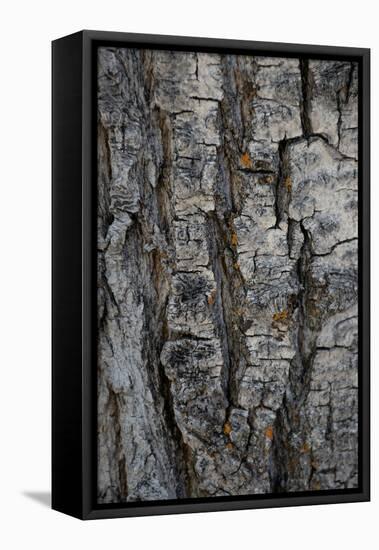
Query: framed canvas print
point(210, 274)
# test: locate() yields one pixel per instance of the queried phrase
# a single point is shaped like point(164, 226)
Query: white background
point(27, 27)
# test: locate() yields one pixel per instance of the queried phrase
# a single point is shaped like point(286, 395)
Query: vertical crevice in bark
point(163, 190)
point(222, 235)
point(123, 479)
point(114, 410)
point(105, 163)
point(285, 456)
point(283, 184)
point(306, 342)
point(306, 98)
point(181, 459)
point(339, 121)
point(221, 257)
point(279, 459)
point(161, 280)
point(246, 92)
point(349, 82)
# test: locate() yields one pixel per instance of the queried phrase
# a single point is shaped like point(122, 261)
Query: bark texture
point(227, 275)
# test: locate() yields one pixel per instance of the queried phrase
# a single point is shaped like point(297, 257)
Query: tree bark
point(227, 275)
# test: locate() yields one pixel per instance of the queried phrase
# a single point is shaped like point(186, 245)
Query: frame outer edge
point(66, 275)
point(88, 371)
point(231, 44)
point(88, 284)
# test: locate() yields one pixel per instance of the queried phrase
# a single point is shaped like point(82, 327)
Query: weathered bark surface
point(227, 275)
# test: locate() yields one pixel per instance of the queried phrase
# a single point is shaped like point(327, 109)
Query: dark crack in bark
point(305, 105)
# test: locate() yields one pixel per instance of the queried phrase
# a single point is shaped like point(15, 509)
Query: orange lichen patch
point(280, 315)
point(234, 239)
point(212, 298)
point(229, 446)
point(227, 428)
point(288, 184)
point(269, 433)
point(305, 448)
point(246, 160)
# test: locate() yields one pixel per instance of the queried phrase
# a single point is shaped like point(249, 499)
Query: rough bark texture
point(227, 275)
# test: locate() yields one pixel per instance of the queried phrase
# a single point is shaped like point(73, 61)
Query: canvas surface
point(227, 275)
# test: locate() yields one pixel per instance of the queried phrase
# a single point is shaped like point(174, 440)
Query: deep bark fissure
point(305, 104)
point(113, 402)
point(219, 252)
point(339, 121)
point(162, 194)
point(283, 184)
point(285, 460)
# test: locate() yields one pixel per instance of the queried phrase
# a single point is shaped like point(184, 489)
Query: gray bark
point(227, 275)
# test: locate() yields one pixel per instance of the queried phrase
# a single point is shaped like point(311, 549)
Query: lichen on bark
point(227, 275)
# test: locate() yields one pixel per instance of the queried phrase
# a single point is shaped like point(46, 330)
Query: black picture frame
point(74, 284)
